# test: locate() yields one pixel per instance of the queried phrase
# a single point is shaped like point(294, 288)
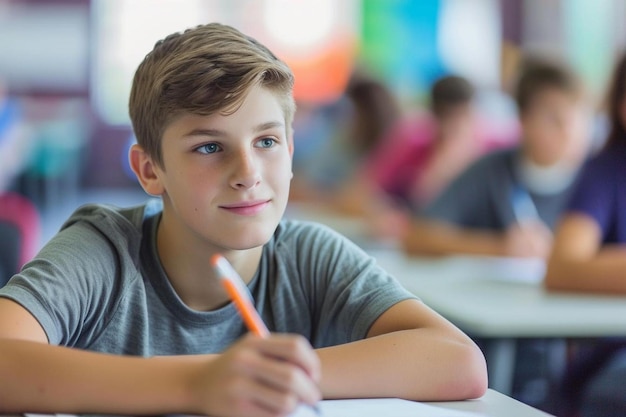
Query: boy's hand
point(530, 239)
point(258, 377)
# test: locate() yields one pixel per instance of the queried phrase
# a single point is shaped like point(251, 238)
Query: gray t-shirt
point(481, 197)
point(99, 285)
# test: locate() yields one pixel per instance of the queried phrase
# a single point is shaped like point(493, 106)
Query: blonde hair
point(203, 70)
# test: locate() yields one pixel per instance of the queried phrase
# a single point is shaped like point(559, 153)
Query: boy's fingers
point(284, 363)
point(287, 378)
point(295, 350)
point(257, 399)
point(273, 401)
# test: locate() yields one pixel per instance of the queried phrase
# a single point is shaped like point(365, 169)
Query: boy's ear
point(146, 170)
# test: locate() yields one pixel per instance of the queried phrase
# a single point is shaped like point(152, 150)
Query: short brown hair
point(448, 93)
point(202, 70)
point(539, 75)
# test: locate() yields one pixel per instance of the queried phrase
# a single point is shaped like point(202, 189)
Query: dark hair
point(449, 92)
point(203, 70)
point(616, 96)
point(375, 110)
point(537, 76)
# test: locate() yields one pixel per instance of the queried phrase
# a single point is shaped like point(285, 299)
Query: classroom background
point(67, 65)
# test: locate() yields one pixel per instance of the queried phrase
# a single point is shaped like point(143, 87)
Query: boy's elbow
point(473, 379)
point(466, 376)
point(476, 386)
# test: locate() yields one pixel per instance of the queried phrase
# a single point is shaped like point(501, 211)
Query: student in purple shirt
point(589, 255)
point(589, 251)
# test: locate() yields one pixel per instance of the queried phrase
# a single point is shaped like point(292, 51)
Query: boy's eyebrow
point(268, 125)
point(221, 133)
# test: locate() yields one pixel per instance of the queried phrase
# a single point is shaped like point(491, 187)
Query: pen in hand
point(241, 298)
point(524, 208)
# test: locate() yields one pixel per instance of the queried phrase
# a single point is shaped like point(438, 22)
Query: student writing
point(480, 211)
point(121, 312)
point(589, 255)
point(590, 242)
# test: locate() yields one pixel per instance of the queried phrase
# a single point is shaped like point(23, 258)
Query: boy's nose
point(246, 173)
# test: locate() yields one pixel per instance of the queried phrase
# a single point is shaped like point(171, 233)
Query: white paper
point(371, 407)
point(376, 407)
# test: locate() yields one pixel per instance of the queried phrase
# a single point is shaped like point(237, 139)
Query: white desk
point(482, 296)
point(492, 404)
point(492, 298)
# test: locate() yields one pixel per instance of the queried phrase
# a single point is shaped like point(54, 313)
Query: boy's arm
point(254, 377)
point(410, 352)
point(579, 262)
point(435, 237)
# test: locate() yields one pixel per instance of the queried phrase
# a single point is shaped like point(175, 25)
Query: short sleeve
point(57, 286)
point(594, 192)
point(69, 286)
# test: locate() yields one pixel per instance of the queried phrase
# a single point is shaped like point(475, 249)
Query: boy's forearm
point(603, 273)
point(437, 238)
point(412, 364)
point(43, 378)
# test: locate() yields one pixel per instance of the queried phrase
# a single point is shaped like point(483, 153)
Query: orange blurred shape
point(322, 77)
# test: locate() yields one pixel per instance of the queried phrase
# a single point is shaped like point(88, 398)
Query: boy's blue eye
point(267, 142)
point(208, 148)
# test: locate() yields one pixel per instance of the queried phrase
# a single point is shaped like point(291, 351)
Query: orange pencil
point(238, 293)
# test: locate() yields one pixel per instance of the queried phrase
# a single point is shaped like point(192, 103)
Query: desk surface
point(489, 297)
point(486, 296)
point(492, 404)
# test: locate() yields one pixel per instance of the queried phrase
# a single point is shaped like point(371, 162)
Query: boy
point(424, 152)
point(211, 110)
point(508, 201)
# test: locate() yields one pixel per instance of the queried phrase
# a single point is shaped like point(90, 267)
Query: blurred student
point(507, 202)
point(358, 121)
point(590, 242)
point(423, 152)
point(385, 160)
point(589, 255)
point(334, 177)
point(120, 313)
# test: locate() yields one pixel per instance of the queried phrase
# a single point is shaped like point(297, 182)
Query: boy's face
point(555, 128)
point(458, 121)
point(226, 178)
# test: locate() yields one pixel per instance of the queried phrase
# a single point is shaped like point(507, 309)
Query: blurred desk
point(503, 300)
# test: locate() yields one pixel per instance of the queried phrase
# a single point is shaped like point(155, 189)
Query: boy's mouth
point(246, 208)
